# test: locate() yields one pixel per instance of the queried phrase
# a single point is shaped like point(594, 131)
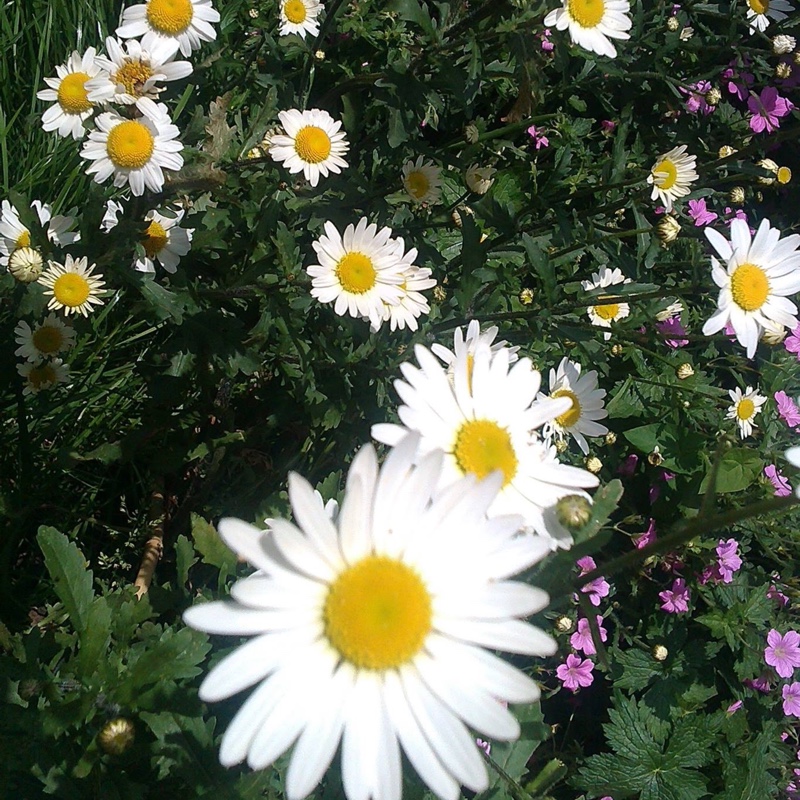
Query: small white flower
point(759, 12)
point(422, 180)
point(674, 309)
point(604, 314)
point(72, 287)
point(465, 345)
point(44, 375)
point(672, 176)
point(47, 338)
point(744, 409)
point(479, 179)
point(783, 43)
point(13, 234)
point(300, 17)
point(164, 240)
point(591, 22)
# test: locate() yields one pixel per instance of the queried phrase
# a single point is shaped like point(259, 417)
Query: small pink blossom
point(575, 672)
point(582, 640)
point(676, 599)
point(787, 409)
point(734, 707)
point(760, 684)
point(547, 45)
point(783, 652)
point(767, 109)
point(774, 593)
point(791, 699)
point(782, 486)
point(628, 466)
point(700, 213)
point(539, 139)
point(696, 102)
point(792, 342)
point(485, 746)
point(736, 82)
point(607, 126)
point(674, 330)
point(728, 559)
point(597, 588)
point(648, 537)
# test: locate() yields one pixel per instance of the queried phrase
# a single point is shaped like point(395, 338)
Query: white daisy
point(485, 419)
point(580, 420)
point(13, 234)
point(25, 264)
point(71, 287)
point(44, 375)
point(423, 181)
point(376, 631)
point(134, 151)
point(744, 409)
point(47, 338)
point(167, 26)
point(312, 143)
point(759, 12)
point(300, 17)
point(672, 176)
point(165, 240)
point(479, 179)
point(755, 282)
point(604, 314)
point(465, 345)
point(71, 105)
point(111, 216)
point(358, 272)
point(58, 226)
point(792, 455)
point(133, 77)
point(591, 22)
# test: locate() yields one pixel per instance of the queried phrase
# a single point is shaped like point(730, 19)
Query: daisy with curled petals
point(464, 345)
point(71, 287)
point(167, 26)
point(604, 314)
point(165, 240)
point(71, 105)
point(47, 338)
point(134, 151)
point(672, 175)
point(300, 17)
point(744, 409)
point(14, 235)
point(759, 12)
point(754, 284)
point(359, 272)
point(376, 631)
point(580, 420)
point(485, 419)
point(43, 375)
point(312, 143)
point(134, 77)
point(422, 180)
point(591, 22)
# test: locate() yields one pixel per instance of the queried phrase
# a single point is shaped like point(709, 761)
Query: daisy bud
point(611, 438)
point(573, 511)
point(726, 150)
point(255, 152)
point(563, 624)
point(116, 736)
point(439, 294)
point(782, 70)
point(561, 446)
point(594, 464)
point(797, 58)
point(319, 55)
point(25, 264)
point(686, 34)
point(783, 43)
point(736, 195)
point(526, 297)
point(616, 350)
point(769, 165)
point(668, 229)
point(774, 333)
point(713, 96)
point(471, 133)
point(655, 458)
point(673, 24)
point(253, 12)
point(684, 371)
point(659, 652)
point(783, 175)
point(759, 197)
point(479, 179)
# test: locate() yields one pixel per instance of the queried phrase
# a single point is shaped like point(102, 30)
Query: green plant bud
point(573, 511)
point(116, 736)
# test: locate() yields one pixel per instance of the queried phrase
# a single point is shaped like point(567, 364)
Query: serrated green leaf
point(96, 637)
point(210, 546)
point(638, 668)
point(186, 558)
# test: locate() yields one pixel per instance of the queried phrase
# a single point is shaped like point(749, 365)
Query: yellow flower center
point(417, 184)
point(587, 13)
point(482, 447)
point(607, 311)
point(759, 6)
point(23, 240)
point(745, 408)
point(39, 377)
point(356, 273)
point(295, 11)
point(783, 175)
point(169, 16)
point(47, 339)
point(378, 613)
point(72, 94)
point(71, 289)
point(130, 145)
point(665, 174)
point(155, 239)
point(133, 75)
point(573, 414)
point(312, 144)
point(749, 287)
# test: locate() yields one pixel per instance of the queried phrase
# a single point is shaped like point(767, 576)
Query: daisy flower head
point(760, 272)
point(132, 76)
point(25, 264)
point(465, 345)
point(760, 12)
point(744, 408)
point(300, 17)
point(44, 340)
point(134, 151)
point(312, 143)
point(580, 420)
point(592, 22)
point(43, 375)
point(484, 419)
point(604, 314)
point(672, 176)
point(71, 286)
point(167, 26)
point(422, 180)
point(164, 240)
point(479, 179)
point(360, 271)
point(362, 635)
point(71, 105)
point(15, 235)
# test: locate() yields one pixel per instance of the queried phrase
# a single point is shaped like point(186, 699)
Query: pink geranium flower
point(767, 109)
point(700, 213)
point(673, 328)
point(737, 81)
point(733, 707)
point(782, 486)
point(792, 342)
point(676, 599)
point(575, 672)
point(783, 652)
point(791, 699)
point(760, 684)
point(597, 588)
point(539, 139)
point(647, 537)
point(728, 559)
point(582, 640)
point(787, 409)
point(774, 593)
point(696, 102)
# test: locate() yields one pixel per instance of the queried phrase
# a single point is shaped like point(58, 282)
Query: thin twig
point(154, 546)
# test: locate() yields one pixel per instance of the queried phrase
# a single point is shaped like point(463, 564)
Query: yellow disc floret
point(356, 273)
point(41, 376)
point(607, 311)
point(377, 614)
point(573, 414)
point(72, 94)
point(587, 13)
point(71, 290)
point(759, 6)
point(417, 184)
point(665, 174)
point(482, 447)
point(169, 16)
point(47, 339)
point(133, 75)
point(155, 239)
point(312, 144)
point(23, 240)
point(749, 287)
point(130, 145)
point(295, 11)
point(745, 409)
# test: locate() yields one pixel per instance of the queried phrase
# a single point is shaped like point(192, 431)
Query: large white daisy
point(422, 180)
point(755, 281)
point(164, 240)
point(68, 93)
point(300, 17)
point(71, 286)
point(485, 419)
point(759, 12)
point(134, 151)
point(167, 26)
point(672, 175)
point(591, 22)
point(312, 143)
point(376, 630)
point(359, 271)
point(604, 314)
point(134, 77)
point(744, 407)
point(580, 420)
point(44, 340)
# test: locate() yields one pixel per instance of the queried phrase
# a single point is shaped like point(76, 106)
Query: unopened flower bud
point(319, 55)
point(713, 96)
point(783, 43)
point(29, 688)
point(561, 446)
point(684, 371)
point(255, 152)
point(783, 175)
point(655, 458)
point(769, 165)
point(25, 264)
point(563, 624)
point(659, 652)
point(479, 179)
point(686, 34)
point(460, 213)
point(616, 349)
point(471, 133)
point(594, 464)
point(439, 294)
point(668, 229)
point(736, 195)
point(253, 12)
point(673, 24)
point(726, 150)
point(573, 511)
point(116, 736)
point(796, 58)
point(782, 70)
point(611, 438)
point(774, 333)
point(526, 297)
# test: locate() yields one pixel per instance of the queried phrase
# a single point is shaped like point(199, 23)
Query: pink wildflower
point(783, 652)
point(774, 593)
point(485, 746)
point(597, 588)
point(728, 559)
point(787, 409)
point(767, 109)
point(782, 486)
point(648, 537)
point(547, 45)
point(575, 672)
point(792, 342)
point(700, 213)
point(736, 82)
point(607, 127)
point(539, 139)
point(734, 707)
point(673, 328)
point(582, 640)
point(628, 466)
point(791, 699)
point(676, 599)
point(696, 101)
point(760, 684)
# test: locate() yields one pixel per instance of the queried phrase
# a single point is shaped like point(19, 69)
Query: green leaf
point(738, 470)
point(70, 574)
point(95, 638)
point(186, 557)
point(213, 550)
point(638, 669)
point(604, 503)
